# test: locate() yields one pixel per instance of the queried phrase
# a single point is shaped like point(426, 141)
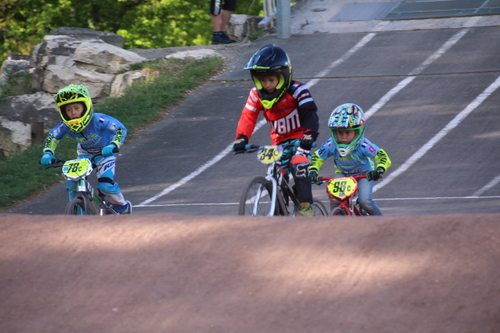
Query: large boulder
point(65, 60)
point(24, 119)
point(16, 75)
point(83, 33)
point(242, 27)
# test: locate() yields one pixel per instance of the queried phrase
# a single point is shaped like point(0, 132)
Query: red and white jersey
point(294, 115)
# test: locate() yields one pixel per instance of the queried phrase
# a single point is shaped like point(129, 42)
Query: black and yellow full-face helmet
point(72, 94)
point(270, 60)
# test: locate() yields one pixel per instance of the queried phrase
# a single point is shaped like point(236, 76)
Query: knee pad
point(300, 167)
point(107, 186)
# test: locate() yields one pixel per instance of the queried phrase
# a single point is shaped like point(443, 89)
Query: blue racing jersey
point(100, 132)
point(359, 161)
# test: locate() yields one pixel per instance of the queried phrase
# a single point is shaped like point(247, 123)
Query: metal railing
point(281, 10)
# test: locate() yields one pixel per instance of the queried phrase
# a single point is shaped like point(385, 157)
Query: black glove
point(314, 176)
point(306, 142)
point(375, 174)
point(240, 143)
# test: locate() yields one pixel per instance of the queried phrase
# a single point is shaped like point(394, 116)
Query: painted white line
point(441, 198)
point(445, 47)
point(381, 102)
point(495, 181)
point(376, 199)
point(190, 176)
point(451, 125)
point(433, 57)
point(340, 60)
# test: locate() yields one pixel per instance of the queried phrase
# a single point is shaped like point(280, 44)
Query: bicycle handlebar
point(252, 148)
point(58, 162)
point(325, 179)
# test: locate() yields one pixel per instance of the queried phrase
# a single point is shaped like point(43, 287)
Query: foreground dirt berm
point(167, 273)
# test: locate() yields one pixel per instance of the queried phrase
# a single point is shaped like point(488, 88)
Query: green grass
point(21, 175)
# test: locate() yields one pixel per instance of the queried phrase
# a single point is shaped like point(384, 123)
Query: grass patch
point(21, 175)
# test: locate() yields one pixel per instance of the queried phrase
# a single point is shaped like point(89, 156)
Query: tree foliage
point(143, 23)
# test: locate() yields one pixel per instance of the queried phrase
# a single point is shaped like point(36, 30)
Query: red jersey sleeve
point(249, 115)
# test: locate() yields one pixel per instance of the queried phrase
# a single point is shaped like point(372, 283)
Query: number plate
point(76, 169)
point(269, 154)
point(342, 187)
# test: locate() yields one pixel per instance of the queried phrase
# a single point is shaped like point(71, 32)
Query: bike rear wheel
point(318, 208)
point(78, 206)
point(339, 211)
point(256, 199)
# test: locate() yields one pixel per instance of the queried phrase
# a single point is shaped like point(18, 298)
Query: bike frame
point(277, 179)
point(84, 188)
point(85, 191)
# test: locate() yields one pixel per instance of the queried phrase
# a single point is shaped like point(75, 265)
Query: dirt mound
point(167, 273)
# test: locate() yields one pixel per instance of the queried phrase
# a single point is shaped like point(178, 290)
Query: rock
point(83, 33)
point(22, 121)
point(122, 81)
point(196, 54)
point(242, 27)
point(15, 75)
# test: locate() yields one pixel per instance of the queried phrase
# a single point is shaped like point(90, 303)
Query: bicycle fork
point(86, 190)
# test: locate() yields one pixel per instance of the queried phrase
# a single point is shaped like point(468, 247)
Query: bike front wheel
point(256, 199)
point(78, 206)
point(318, 208)
point(339, 211)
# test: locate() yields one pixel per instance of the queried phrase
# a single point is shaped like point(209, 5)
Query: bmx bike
point(272, 194)
point(86, 200)
point(344, 190)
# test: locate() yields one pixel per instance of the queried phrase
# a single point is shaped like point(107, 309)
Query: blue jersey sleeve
point(56, 134)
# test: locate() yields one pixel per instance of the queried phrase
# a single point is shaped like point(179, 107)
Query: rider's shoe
point(305, 209)
point(123, 209)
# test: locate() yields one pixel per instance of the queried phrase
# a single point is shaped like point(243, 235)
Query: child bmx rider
point(353, 154)
point(96, 133)
point(289, 109)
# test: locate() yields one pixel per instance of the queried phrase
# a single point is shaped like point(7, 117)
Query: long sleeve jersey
point(100, 132)
point(294, 115)
point(366, 157)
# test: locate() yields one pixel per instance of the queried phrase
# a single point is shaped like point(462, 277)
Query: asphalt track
point(186, 262)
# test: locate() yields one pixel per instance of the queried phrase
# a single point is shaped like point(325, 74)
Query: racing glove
point(240, 144)
point(47, 158)
point(306, 142)
point(375, 174)
point(314, 176)
point(108, 150)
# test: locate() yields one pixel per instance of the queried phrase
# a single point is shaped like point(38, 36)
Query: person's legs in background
point(220, 14)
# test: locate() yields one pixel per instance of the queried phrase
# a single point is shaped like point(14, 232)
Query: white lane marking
point(377, 199)
point(445, 47)
point(492, 183)
point(227, 150)
point(340, 60)
point(401, 85)
point(451, 125)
